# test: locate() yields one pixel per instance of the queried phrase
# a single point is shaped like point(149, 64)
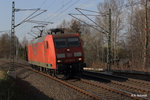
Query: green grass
point(9, 88)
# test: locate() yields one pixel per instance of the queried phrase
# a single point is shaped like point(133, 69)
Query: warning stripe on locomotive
point(41, 64)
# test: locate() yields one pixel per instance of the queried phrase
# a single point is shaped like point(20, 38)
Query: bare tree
point(116, 7)
point(4, 45)
point(136, 32)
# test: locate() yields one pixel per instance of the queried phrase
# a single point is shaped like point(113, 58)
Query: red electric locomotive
point(59, 54)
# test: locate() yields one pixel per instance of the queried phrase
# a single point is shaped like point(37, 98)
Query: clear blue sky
point(57, 10)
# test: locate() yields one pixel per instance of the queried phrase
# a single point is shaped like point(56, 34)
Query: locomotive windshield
point(73, 42)
point(67, 42)
point(60, 43)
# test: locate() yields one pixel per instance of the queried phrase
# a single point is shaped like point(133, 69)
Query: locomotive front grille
point(69, 60)
point(69, 54)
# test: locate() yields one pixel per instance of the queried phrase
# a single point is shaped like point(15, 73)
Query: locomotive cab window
point(73, 42)
point(47, 44)
point(67, 42)
point(60, 43)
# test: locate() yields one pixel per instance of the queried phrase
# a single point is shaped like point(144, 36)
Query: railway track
point(126, 89)
point(126, 85)
point(92, 89)
point(92, 96)
point(106, 92)
point(140, 83)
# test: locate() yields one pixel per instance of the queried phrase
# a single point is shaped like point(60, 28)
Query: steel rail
point(66, 84)
point(137, 81)
point(121, 77)
point(125, 85)
point(125, 93)
point(112, 89)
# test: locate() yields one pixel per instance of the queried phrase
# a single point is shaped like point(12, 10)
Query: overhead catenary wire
point(42, 11)
point(27, 17)
point(79, 10)
point(56, 11)
point(64, 6)
point(31, 16)
point(39, 22)
point(62, 12)
point(31, 34)
point(88, 10)
point(43, 3)
point(34, 14)
point(59, 9)
point(51, 5)
point(87, 23)
point(87, 14)
point(34, 32)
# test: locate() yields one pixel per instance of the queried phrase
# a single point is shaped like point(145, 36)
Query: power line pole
point(109, 43)
point(11, 70)
point(145, 62)
point(109, 57)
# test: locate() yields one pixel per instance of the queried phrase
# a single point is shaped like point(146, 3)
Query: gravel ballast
point(39, 87)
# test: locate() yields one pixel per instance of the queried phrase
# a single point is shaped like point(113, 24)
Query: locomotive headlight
point(77, 54)
point(79, 59)
point(62, 55)
point(59, 61)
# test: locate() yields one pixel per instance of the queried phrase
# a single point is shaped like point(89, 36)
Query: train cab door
point(46, 51)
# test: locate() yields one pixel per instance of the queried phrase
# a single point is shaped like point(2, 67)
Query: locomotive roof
point(40, 39)
point(64, 35)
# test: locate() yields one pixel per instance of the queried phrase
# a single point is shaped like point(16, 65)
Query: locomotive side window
point(73, 42)
point(60, 43)
point(47, 44)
